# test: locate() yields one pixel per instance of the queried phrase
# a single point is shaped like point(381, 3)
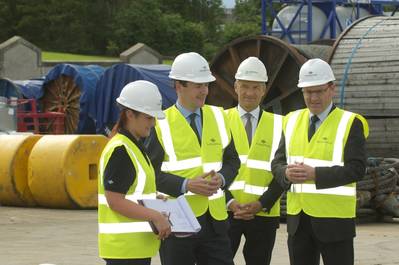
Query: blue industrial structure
point(375, 7)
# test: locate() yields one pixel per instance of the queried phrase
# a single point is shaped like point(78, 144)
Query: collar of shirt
point(254, 114)
point(186, 113)
point(322, 116)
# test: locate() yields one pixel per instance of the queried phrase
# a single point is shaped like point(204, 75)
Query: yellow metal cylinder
point(14, 155)
point(63, 170)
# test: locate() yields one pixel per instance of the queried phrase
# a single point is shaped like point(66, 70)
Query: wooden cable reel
point(282, 62)
point(63, 95)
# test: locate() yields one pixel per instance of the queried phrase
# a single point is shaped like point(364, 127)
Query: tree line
point(108, 27)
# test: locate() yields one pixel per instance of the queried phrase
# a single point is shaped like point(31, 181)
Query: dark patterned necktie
point(312, 127)
point(248, 127)
point(194, 126)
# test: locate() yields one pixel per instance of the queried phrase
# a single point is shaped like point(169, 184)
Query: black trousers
point(260, 235)
point(146, 261)
point(305, 248)
point(211, 246)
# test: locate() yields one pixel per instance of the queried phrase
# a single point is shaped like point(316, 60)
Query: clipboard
point(181, 218)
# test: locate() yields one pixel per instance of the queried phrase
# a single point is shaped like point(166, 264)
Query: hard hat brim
point(315, 83)
point(198, 80)
point(156, 114)
point(251, 79)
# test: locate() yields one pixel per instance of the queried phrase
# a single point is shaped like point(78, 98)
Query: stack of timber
point(365, 60)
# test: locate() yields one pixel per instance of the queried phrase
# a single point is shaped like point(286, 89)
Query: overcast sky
point(229, 3)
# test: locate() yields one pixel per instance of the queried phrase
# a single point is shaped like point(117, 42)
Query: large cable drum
point(70, 89)
point(14, 155)
point(63, 169)
point(282, 62)
point(365, 60)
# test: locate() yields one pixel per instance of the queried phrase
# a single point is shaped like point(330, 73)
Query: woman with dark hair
point(126, 175)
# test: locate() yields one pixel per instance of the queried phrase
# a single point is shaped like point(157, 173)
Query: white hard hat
point(191, 67)
point(142, 96)
point(315, 72)
point(252, 69)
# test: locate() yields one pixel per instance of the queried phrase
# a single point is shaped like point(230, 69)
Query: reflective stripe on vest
point(134, 198)
point(311, 188)
point(189, 164)
point(120, 228)
point(219, 194)
point(251, 189)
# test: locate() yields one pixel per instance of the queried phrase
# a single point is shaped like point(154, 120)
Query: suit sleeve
point(231, 164)
point(354, 161)
point(167, 183)
point(279, 165)
point(271, 196)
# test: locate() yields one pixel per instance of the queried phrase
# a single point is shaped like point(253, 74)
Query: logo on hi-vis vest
point(213, 141)
point(324, 140)
point(263, 143)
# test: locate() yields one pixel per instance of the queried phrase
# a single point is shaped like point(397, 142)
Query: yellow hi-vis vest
point(326, 149)
point(255, 174)
point(121, 237)
point(185, 157)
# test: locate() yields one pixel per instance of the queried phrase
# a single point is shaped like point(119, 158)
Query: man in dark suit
point(253, 197)
point(194, 145)
point(320, 157)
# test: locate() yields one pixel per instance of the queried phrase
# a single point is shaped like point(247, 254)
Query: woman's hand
point(161, 222)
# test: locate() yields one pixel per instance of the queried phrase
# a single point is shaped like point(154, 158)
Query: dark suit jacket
point(329, 229)
point(269, 197)
point(171, 184)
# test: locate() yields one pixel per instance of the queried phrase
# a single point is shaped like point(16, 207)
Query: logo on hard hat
point(204, 69)
point(310, 73)
point(249, 72)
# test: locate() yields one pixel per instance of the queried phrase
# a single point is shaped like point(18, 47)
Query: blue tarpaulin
point(32, 88)
point(8, 89)
point(116, 77)
point(85, 78)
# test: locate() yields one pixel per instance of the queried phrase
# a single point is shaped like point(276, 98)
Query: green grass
point(167, 62)
point(59, 56)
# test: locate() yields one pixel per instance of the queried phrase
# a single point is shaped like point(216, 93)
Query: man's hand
point(234, 206)
point(245, 211)
point(216, 180)
point(299, 173)
point(202, 186)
